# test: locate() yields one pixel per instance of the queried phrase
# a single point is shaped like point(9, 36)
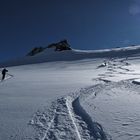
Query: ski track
point(68, 104)
point(68, 117)
point(68, 120)
point(58, 122)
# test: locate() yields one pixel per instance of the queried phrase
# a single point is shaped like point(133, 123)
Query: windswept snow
point(105, 111)
point(80, 99)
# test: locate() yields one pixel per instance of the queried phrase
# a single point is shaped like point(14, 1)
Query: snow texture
point(85, 98)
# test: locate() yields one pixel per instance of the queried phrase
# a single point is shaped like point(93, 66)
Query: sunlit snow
point(75, 98)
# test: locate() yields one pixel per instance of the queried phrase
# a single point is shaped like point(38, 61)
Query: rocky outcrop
point(60, 46)
point(35, 51)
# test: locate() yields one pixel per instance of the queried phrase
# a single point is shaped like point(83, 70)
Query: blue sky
point(86, 24)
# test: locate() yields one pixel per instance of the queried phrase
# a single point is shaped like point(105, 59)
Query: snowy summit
point(59, 93)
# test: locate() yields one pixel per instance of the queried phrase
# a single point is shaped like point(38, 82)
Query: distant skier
point(4, 73)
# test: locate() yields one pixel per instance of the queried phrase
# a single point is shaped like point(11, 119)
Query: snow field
point(101, 111)
point(74, 100)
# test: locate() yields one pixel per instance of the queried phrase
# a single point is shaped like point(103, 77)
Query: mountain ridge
point(62, 51)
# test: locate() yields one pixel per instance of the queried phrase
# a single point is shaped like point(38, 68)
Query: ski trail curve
point(67, 119)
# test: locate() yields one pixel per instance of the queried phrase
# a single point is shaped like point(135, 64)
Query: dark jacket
point(4, 71)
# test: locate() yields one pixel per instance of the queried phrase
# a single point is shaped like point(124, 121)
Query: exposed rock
point(60, 46)
point(35, 51)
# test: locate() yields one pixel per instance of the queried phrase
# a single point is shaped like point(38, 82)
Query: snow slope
point(50, 55)
point(85, 98)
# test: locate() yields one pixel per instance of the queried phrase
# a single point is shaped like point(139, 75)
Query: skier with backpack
point(4, 73)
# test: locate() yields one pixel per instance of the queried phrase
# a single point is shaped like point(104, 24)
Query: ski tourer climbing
point(4, 73)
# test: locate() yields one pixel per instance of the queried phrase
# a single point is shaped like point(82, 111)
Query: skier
point(4, 73)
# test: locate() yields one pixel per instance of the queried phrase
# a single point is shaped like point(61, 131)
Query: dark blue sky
point(87, 24)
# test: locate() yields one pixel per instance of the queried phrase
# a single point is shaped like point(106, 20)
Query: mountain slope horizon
point(62, 51)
